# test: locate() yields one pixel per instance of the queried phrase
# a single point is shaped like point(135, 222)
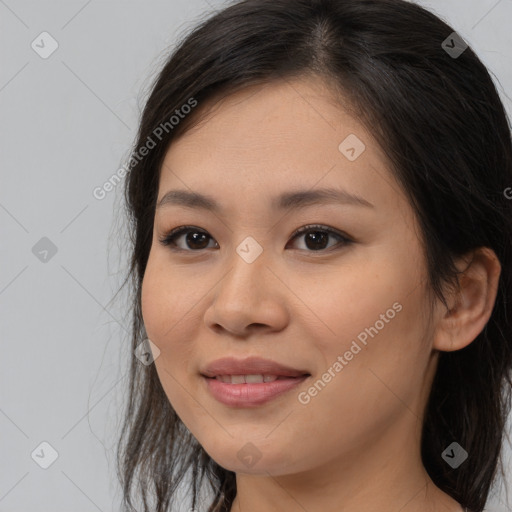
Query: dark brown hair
point(439, 120)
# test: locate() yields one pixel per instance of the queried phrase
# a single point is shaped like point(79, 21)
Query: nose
point(250, 297)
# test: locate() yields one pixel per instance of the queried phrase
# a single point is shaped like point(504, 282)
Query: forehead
point(277, 137)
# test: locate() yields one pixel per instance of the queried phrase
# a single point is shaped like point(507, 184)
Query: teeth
point(254, 379)
point(249, 379)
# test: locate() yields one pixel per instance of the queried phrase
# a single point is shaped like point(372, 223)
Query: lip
point(250, 395)
point(250, 366)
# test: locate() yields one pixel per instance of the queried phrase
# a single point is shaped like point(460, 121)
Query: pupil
point(192, 238)
point(316, 236)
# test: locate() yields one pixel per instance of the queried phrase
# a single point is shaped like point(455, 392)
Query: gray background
point(67, 123)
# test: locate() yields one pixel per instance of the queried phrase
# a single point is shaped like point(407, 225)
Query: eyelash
point(169, 238)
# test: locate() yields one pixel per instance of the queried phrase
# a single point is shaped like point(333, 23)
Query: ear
point(471, 307)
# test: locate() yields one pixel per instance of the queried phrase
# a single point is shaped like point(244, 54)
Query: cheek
point(164, 316)
point(162, 298)
point(374, 319)
point(377, 381)
point(343, 303)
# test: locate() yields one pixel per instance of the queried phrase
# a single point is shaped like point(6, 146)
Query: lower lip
point(249, 395)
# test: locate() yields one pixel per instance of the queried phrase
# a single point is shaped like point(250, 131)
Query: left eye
point(316, 238)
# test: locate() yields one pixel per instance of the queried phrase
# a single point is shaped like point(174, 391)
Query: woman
point(368, 372)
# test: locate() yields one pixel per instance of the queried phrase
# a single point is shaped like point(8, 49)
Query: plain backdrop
point(67, 123)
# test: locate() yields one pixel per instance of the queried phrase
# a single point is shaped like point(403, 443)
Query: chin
point(251, 458)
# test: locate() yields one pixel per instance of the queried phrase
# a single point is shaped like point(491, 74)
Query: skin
point(356, 445)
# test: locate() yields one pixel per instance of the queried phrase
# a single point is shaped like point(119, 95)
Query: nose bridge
point(246, 294)
point(248, 266)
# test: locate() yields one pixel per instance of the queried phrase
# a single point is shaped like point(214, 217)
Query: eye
point(197, 239)
point(317, 236)
point(193, 237)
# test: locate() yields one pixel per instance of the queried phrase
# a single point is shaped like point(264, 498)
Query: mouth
point(254, 378)
point(252, 390)
point(250, 382)
point(250, 367)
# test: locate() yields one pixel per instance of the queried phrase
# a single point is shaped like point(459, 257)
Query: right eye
point(197, 238)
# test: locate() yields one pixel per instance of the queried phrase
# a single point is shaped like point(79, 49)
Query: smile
point(250, 390)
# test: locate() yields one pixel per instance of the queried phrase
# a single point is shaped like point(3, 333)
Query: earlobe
point(471, 306)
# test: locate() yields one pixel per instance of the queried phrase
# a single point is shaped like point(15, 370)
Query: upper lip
point(250, 366)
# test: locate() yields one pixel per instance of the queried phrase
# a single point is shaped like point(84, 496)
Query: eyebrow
point(288, 200)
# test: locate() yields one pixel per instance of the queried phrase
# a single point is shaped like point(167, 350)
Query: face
point(344, 301)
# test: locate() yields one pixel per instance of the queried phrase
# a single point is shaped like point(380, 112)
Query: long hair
point(438, 118)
